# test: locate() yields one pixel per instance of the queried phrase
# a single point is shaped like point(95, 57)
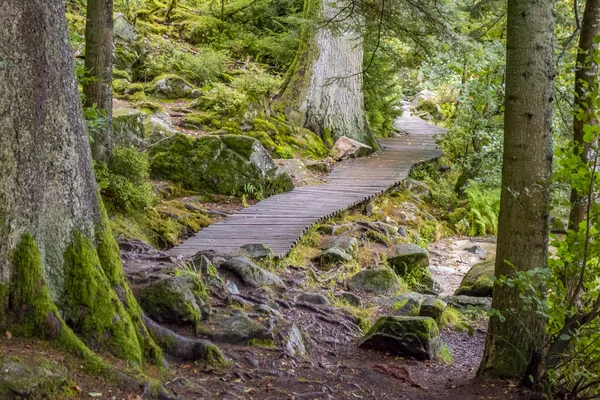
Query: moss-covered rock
point(408, 259)
point(331, 258)
point(416, 337)
point(478, 282)
point(433, 308)
point(201, 29)
point(157, 127)
point(172, 87)
point(128, 127)
point(251, 274)
point(376, 280)
point(238, 329)
point(33, 377)
point(224, 164)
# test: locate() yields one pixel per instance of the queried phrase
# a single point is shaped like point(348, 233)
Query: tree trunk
point(98, 66)
point(323, 88)
point(513, 347)
point(60, 269)
point(586, 79)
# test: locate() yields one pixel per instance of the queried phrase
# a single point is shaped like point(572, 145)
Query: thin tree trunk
point(513, 347)
point(98, 66)
point(586, 79)
point(323, 88)
point(60, 269)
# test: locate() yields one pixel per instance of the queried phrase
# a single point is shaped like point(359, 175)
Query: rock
point(558, 225)
point(402, 231)
point(293, 341)
point(232, 287)
point(257, 250)
point(478, 281)
point(298, 171)
point(433, 308)
point(265, 309)
point(348, 245)
point(123, 29)
point(331, 257)
point(128, 127)
point(318, 166)
point(346, 148)
point(157, 127)
point(172, 87)
point(350, 298)
point(477, 249)
point(238, 329)
point(251, 274)
point(409, 258)
point(416, 337)
point(31, 377)
point(408, 306)
point(226, 164)
point(376, 280)
point(127, 45)
point(177, 299)
point(428, 285)
point(484, 303)
point(416, 187)
point(313, 298)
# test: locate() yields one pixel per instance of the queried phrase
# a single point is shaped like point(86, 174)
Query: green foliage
point(222, 100)
point(125, 183)
point(480, 214)
point(258, 85)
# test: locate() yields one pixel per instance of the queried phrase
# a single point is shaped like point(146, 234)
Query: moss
point(264, 139)
point(213, 357)
point(423, 327)
point(264, 343)
point(479, 280)
point(201, 29)
point(399, 304)
point(120, 74)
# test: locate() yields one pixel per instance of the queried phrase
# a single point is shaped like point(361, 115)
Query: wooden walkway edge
point(280, 221)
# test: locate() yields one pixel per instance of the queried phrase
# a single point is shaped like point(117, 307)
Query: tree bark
point(98, 66)
point(586, 80)
point(60, 269)
point(513, 347)
point(323, 88)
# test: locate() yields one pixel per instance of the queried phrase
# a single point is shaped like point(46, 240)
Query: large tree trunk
point(586, 78)
point(98, 69)
point(60, 269)
point(513, 346)
point(323, 89)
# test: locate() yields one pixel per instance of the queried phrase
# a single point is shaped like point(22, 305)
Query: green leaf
point(565, 337)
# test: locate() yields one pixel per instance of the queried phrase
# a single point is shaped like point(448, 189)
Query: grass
point(451, 317)
point(445, 354)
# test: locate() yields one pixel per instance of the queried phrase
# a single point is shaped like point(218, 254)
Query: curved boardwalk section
point(280, 221)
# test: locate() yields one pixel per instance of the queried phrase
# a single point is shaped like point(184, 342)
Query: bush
point(258, 86)
point(480, 215)
point(125, 183)
point(223, 100)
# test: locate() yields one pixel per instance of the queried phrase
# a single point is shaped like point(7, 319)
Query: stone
point(123, 29)
point(313, 298)
point(345, 148)
point(232, 287)
point(428, 285)
point(31, 377)
point(433, 308)
point(402, 231)
point(408, 258)
point(224, 164)
point(257, 250)
point(476, 249)
point(331, 257)
point(350, 298)
point(416, 187)
point(127, 46)
point(157, 127)
point(408, 306)
point(484, 303)
point(251, 274)
point(376, 280)
point(172, 87)
point(298, 171)
point(238, 329)
point(478, 282)
point(293, 341)
point(177, 299)
point(128, 127)
point(416, 337)
point(318, 166)
point(348, 245)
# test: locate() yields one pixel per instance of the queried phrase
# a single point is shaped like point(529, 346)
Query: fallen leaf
point(77, 388)
point(8, 335)
point(95, 394)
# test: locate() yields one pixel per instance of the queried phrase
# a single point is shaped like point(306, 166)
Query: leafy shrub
point(124, 183)
point(223, 100)
point(258, 86)
point(480, 215)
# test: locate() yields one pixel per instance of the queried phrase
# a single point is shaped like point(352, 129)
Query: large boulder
point(346, 244)
point(172, 87)
point(251, 274)
point(433, 308)
point(330, 258)
point(128, 127)
point(32, 377)
point(225, 164)
point(416, 337)
point(127, 45)
point(346, 148)
point(376, 280)
point(478, 282)
point(157, 127)
point(409, 258)
point(238, 329)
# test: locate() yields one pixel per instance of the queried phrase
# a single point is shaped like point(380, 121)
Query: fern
point(481, 216)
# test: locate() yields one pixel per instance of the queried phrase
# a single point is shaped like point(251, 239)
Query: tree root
point(184, 348)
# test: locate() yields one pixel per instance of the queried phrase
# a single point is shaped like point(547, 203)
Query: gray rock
point(484, 303)
point(177, 299)
point(331, 257)
point(345, 148)
point(231, 287)
point(251, 274)
point(123, 29)
point(376, 280)
point(313, 298)
point(348, 245)
point(477, 249)
point(416, 337)
point(408, 306)
point(350, 298)
point(402, 231)
point(293, 341)
point(257, 250)
point(416, 187)
point(238, 329)
point(433, 308)
point(31, 377)
point(408, 258)
point(429, 285)
point(265, 309)
point(318, 166)
point(157, 127)
point(172, 87)
point(128, 127)
point(478, 281)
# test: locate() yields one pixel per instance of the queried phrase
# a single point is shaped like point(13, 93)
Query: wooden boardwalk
point(280, 221)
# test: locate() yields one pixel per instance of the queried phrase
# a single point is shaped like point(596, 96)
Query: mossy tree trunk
point(60, 270)
point(513, 347)
point(323, 88)
point(586, 80)
point(98, 70)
